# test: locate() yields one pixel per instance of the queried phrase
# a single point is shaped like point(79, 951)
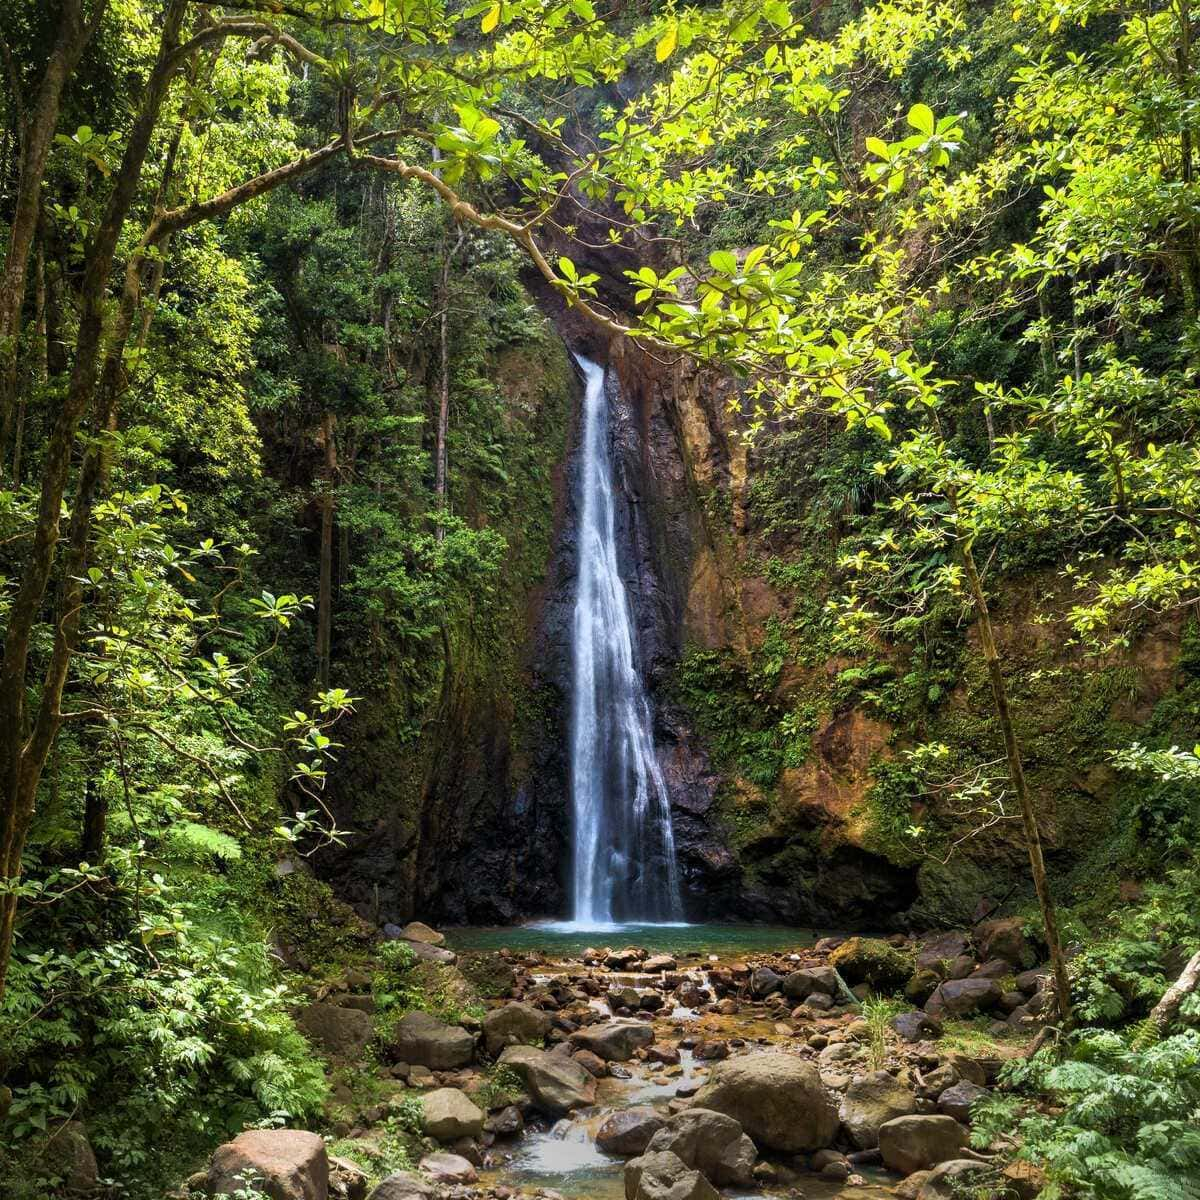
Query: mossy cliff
point(793, 789)
point(455, 807)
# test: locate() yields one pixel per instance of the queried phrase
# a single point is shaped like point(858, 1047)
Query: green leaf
point(724, 262)
point(920, 117)
point(666, 44)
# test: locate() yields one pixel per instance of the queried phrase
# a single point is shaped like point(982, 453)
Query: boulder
point(403, 1185)
point(823, 981)
point(665, 1176)
point(957, 1099)
point(764, 982)
point(870, 1102)
point(288, 1164)
point(656, 964)
point(556, 1083)
point(450, 1115)
point(448, 1168)
point(417, 931)
point(916, 1026)
point(873, 962)
point(943, 949)
point(508, 1122)
point(952, 1180)
point(961, 997)
point(514, 1024)
point(341, 1032)
point(914, 1143)
point(593, 1064)
point(628, 1131)
point(712, 1143)
point(614, 1041)
point(924, 982)
point(425, 1041)
point(347, 1180)
point(69, 1155)
point(1005, 938)
point(427, 953)
point(777, 1098)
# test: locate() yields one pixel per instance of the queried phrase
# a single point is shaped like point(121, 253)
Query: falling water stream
point(624, 866)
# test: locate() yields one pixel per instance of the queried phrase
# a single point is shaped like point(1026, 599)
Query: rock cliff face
point(791, 792)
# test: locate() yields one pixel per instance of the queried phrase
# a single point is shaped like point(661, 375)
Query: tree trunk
point(1016, 771)
point(1167, 1009)
point(95, 823)
point(25, 745)
point(37, 137)
point(325, 593)
point(443, 421)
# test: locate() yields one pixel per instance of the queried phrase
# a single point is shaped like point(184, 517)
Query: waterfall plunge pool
point(556, 938)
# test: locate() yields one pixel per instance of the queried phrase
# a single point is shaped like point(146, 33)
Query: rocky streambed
point(623, 1072)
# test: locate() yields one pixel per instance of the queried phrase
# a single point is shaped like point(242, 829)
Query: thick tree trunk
point(1016, 771)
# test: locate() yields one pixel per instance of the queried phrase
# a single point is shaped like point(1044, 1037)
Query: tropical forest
point(600, 599)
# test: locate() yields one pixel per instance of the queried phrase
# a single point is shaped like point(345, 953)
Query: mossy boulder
point(873, 962)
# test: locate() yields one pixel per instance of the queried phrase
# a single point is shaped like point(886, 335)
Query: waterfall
point(624, 866)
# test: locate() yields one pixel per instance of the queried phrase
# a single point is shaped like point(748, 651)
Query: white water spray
point(625, 868)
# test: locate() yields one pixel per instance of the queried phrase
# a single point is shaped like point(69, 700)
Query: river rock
point(777, 1098)
point(614, 1041)
point(873, 962)
point(872, 1101)
point(593, 1064)
point(658, 963)
point(959, 997)
point(957, 1099)
point(943, 950)
point(628, 1131)
point(514, 1024)
point(711, 1142)
point(424, 952)
point(665, 1176)
point(448, 1168)
point(347, 1180)
point(911, 1144)
point(508, 1122)
point(403, 1185)
point(810, 981)
point(764, 982)
point(923, 983)
point(342, 1032)
point(952, 1180)
point(288, 1164)
point(916, 1026)
point(450, 1115)
point(425, 1041)
point(418, 931)
point(556, 1083)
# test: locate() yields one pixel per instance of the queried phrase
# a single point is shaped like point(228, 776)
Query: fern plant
point(1122, 1123)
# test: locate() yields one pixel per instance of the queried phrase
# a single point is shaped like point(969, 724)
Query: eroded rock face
point(556, 1083)
point(425, 1041)
point(777, 1098)
point(711, 1142)
point(288, 1164)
